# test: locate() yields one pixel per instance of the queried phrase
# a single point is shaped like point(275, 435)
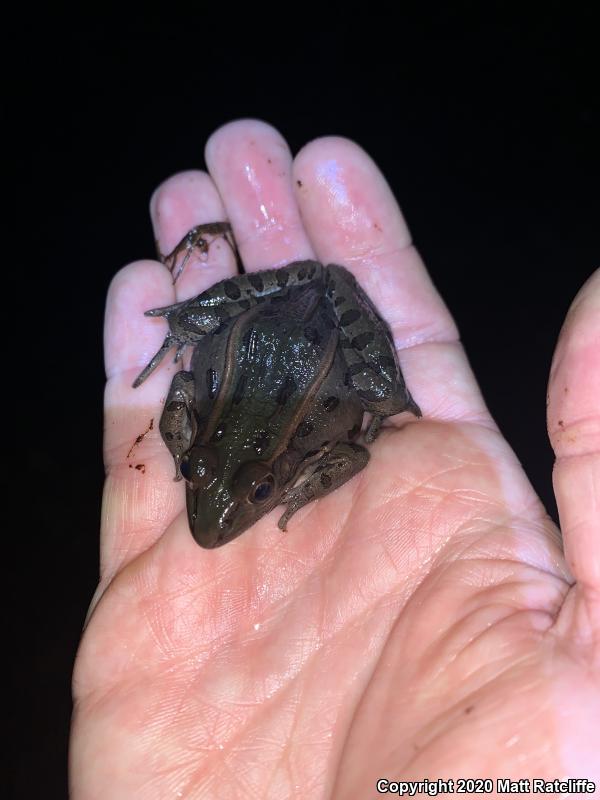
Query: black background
point(486, 125)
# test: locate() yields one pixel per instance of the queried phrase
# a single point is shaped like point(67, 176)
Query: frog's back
point(257, 378)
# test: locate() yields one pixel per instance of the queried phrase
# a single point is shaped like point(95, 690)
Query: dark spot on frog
point(362, 340)
point(212, 382)
point(282, 278)
point(302, 273)
point(353, 432)
point(168, 436)
point(232, 290)
point(312, 334)
point(348, 317)
point(304, 429)
point(299, 184)
point(238, 394)
point(387, 364)
point(218, 434)
point(338, 301)
point(256, 281)
point(261, 442)
point(325, 480)
point(244, 304)
point(355, 369)
point(286, 390)
point(311, 453)
point(222, 327)
point(331, 403)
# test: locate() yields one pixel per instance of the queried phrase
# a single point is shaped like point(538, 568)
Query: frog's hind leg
point(195, 240)
point(177, 420)
point(372, 365)
point(334, 469)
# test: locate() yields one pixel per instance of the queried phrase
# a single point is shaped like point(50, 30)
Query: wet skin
point(285, 363)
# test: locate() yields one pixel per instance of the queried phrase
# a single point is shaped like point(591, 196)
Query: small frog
point(285, 363)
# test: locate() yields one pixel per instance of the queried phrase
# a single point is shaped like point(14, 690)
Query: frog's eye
point(254, 482)
point(198, 466)
point(263, 491)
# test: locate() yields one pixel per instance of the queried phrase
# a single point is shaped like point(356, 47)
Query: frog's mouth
point(214, 522)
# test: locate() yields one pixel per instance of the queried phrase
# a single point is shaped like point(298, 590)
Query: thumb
point(574, 430)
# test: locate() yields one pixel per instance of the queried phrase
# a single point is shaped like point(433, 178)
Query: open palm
point(420, 622)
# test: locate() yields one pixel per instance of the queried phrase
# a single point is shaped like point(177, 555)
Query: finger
point(141, 497)
point(252, 166)
point(352, 218)
point(179, 204)
point(574, 430)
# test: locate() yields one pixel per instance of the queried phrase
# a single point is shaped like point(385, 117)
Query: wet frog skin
point(285, 363)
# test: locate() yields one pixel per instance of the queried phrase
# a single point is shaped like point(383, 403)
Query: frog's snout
point(212, 523)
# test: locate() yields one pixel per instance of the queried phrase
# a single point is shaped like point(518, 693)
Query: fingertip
point(230, 134)
point(343, 193)
point(181, 202)
point(251, 165)
point(130, 338)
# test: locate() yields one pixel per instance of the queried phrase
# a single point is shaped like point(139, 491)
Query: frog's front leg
point(177, 424)
point(191, 320)
point(188, 323)
point(373, 368)
point(336, 467)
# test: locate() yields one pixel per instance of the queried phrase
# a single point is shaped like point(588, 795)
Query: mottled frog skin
point(285, 363)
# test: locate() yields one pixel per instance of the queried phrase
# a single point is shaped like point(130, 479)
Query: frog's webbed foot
point(407, 404)
point(333, 470)
point(195, 240)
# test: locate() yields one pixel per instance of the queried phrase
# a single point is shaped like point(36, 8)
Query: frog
point(285, 363)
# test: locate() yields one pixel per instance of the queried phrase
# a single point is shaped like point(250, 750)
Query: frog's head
point(224, 500)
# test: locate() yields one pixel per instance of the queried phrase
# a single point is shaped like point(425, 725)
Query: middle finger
point(251, 165)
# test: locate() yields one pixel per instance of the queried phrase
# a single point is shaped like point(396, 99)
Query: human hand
point(421, 621)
